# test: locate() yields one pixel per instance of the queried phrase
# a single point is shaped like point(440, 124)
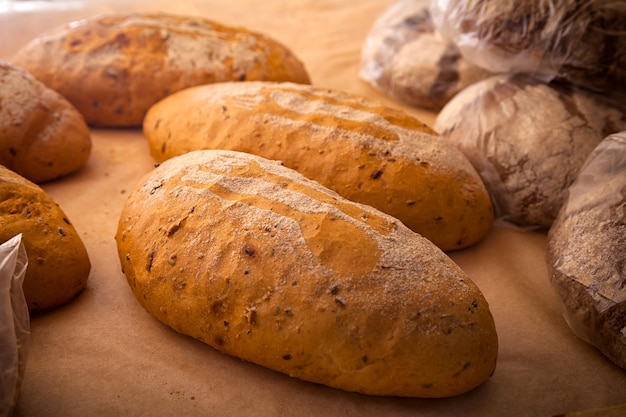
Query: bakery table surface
point(104, 355)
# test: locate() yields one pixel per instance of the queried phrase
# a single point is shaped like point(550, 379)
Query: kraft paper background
point(103, 355)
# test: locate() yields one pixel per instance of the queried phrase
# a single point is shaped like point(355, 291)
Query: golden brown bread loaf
point(58, 263)
point(113, 67)
point(261, 263)
point(365, 151)
point(42, 136)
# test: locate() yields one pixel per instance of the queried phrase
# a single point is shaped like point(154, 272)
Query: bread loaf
point(528, 140)
point(580, 41)
point(263, 264)
point(365, 151)
point(406, 58)
point(586, 257)
point(42, 136)
point(113, 67)
point(58, 263)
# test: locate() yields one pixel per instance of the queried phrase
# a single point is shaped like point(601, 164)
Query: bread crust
point(58, 262)
point(42, 136)
point(528, 140)
point(580, 41)
point(586, 257)
point(113, 67)
point(263, 264)
point(405, 57)
point(365, 151)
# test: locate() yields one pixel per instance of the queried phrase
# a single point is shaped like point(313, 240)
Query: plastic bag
point(14, 322)
point(581, 41)
point(527, 140)
point(405, 58)
point(400, 23)
point(587, 250)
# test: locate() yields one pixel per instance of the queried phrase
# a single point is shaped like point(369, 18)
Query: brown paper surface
point(103, 355)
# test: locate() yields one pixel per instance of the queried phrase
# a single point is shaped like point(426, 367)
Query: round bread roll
point(428, 71)
point(527, 140)
point(363, 150)
point(42, 136)
point(586, 250)
point(58, 263)
point(581, 41)
point(263, 264)
point(114, 67)
point(405, 57)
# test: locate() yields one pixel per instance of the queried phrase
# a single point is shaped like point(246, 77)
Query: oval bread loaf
point(58, 263)
point(42, 136)
point(587, 250)
point(263, 264)
point(113, 67)
point(365, 151)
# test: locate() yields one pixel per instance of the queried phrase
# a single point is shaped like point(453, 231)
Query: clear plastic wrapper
point(586, 257)
point(527, 140)
point(582, 41)
point(404, 57)
point(14, 322)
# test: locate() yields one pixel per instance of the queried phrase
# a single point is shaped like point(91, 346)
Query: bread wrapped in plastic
point(527, 140)
point(586, 250)
point(582, 41)
point(14, 322)
point(405, 58)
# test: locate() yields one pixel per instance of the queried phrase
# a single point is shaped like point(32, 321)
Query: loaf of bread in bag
point(363, 150)
point(113, 67)
point(263, 264)
point(586, 256)
point(582, 42)
point(528, 140)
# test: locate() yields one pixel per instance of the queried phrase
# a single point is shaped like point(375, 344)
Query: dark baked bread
point(527, 140)
point(581, 41)
point(587, 250)
point(407, 59)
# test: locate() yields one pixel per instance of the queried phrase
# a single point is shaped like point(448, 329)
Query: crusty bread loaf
point(587, 250)
point(527, 140)
point(261, 263)
point(42, 136)
point(365, 151)
point(580, 41)
point(58, 263)
point(406, 58)
point(113, 67)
